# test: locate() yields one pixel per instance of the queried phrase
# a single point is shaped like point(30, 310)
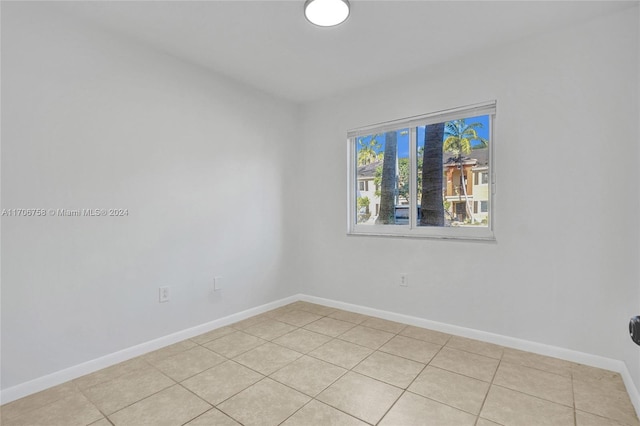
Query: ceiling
point(270, 45)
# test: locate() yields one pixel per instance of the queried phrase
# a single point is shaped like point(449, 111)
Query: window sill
point(462, 233)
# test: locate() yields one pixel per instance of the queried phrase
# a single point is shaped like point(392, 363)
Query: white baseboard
point(59, 377)
point(498, 339)
point(62, 376)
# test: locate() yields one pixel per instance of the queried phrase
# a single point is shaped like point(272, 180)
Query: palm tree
point(431, 197)
point(388, 184)
point(458, 140)
point(368, 152)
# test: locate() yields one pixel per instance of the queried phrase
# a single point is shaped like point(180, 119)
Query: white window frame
point(412, 229)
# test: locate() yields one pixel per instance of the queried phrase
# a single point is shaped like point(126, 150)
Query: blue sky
point(403, 140)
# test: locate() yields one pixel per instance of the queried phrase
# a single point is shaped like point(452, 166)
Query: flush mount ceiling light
point(326, 13)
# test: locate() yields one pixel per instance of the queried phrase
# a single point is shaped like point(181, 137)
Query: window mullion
point(413, 166)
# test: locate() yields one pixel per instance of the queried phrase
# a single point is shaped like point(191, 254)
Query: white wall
point(564, 269)
point(211, 174)
point(200, 162)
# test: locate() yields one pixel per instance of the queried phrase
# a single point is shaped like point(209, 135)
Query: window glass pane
point(485, 178)
point(453, 173)
point(382, 173)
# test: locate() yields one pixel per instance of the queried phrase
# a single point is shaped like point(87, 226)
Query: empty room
point(320, 212)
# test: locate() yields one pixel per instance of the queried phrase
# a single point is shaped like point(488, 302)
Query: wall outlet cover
point(163, 294)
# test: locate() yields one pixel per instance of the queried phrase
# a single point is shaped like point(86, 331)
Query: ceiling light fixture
point(326, 13)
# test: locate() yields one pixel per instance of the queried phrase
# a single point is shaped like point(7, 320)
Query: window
point(480, 207)
point(484, 178)
point(481, 178)
point(428, 176)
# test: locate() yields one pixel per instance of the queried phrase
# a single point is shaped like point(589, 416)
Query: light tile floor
point(306, 364)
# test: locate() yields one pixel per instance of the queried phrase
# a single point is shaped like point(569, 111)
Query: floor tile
point(265, 403)
point(545, 385)
point(415, 410)
point(587, 373)
point(604, 402)
point(475, 346)
point(170, 407)
point(316, 309)
point(329, 326)
point(212, 335)
point(302, 340)
point(297, 318)
point(269, 329)
point(341, 353)
point(539, 362)
point(299, 305)
point(168, 351)
point(425, 334)
point(527, 389)
point(234, 344)
point(272, 314)
point(587, 419)
point(365, 336)
point(485, 422)
point(249, 322)
point(360, 396)
point(188, 363)
point(316, 413)
point(110, 373)
point(32, 402)
point(390, 369)
point(597, 376)
point(267, 358)
point(450, 388)
point(222, 381)
point(349, 316)
point(72, 410)
point(213, 417)
point(384, 325)
point(465, 363)
point(511, 408)
point(308, 375)
point(124, 390)
point(414, 349)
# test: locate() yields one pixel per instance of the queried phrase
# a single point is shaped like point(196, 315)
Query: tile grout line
point(269, 375)
point(314, 398)
point(141, 399)
point(405, 390)
point(294, 413)
point(200, 398)
point(33, 409)
point(573, 397)
point(355, 372)
point(495, 373)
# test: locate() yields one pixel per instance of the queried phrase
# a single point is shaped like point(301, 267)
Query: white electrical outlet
point(404, 280)
point(163, 294)
point(217, 283)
